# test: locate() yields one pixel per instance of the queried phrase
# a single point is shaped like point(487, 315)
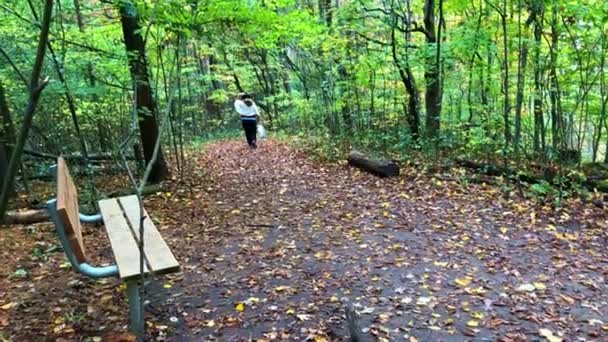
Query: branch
point(119, 86)
point(373, 40)
point(498, 10)
point(17, 71)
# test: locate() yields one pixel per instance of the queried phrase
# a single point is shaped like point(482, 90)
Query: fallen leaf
point(240, 307)
point(8, 305)
point(424, 301)
point(525, 288)
point(548, 334)
point(463, 282)
point(477, 315)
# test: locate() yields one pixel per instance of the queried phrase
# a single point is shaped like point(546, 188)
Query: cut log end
point(378, 167)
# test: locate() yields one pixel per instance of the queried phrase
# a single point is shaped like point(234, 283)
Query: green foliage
point(19, 273)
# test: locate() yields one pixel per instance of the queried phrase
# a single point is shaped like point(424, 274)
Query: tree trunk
point(539, 125)
point(407, 78)
point(554, 94)
point(7, 133)
point(505, 85)
point(35, 89)
point(433, 94)
point(144, 98)
point(604, 100)
point(521, 75)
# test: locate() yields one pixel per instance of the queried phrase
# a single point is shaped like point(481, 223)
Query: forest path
point(272, 243)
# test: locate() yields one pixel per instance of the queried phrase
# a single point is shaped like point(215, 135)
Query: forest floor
point(273, 246)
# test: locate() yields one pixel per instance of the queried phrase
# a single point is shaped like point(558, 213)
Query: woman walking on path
point(249, 113)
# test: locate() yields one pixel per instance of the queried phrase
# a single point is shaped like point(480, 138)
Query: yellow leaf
point(333, 299)
point(478, 291)
point(477, 315)
point(240, 307)
point(281, 288)
point(540, 286)
point(440, 263)
point(472, 323)
point(8, 305)
point(383, 318)
point(548, 334)
point(290, 311)
point(320, 339)
point(211, 324)
point(167, 286)
point(503, 230)
point(462, 282)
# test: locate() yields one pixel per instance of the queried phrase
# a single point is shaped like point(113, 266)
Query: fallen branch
point(28, 216)
point(102, 156)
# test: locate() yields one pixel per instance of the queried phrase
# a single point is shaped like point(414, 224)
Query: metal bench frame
point(136, 314)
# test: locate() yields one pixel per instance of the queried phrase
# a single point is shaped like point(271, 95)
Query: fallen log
point(93, 157)
point(496, 170)
point(378, 167)
point(28, 216)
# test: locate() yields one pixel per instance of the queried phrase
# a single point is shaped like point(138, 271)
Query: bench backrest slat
point(67, 208)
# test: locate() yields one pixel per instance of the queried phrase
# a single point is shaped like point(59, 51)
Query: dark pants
point(250, 127)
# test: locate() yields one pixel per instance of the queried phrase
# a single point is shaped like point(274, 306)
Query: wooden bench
point(121, 217)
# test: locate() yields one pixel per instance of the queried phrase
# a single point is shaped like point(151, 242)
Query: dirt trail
point(292, 240)
point(273, 245)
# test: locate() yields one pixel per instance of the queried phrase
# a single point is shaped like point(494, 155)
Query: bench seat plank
point(161, 259)
point(124, 245)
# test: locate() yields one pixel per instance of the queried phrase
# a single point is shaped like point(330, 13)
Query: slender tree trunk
point(7, 132)
point(505, 85)
point(407, 78)
point(521, 76)
point(556, 116)
point(539, 125)
point(35, 90)
point(432, 73)
point(604, 102)
point(144, 98)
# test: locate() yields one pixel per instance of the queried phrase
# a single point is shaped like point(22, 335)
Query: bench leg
point(136, 314)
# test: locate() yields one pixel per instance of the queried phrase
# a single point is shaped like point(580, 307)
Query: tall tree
point(7, 132)
point(36, 86)
point(405, 73)
point(144, 97)
point(537, 15)
point(521, 75)
point(432, 72)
